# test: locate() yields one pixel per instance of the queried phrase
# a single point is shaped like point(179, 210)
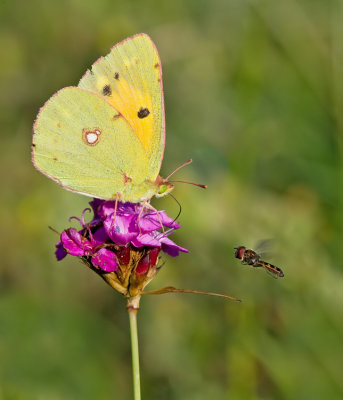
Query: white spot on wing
point(91, 136)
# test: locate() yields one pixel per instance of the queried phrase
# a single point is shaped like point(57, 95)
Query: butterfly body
point(105, 138)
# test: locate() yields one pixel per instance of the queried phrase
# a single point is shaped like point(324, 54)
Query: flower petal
point(75, 244)
point(171, 248)
point(127, 208)
point(123, 229)
point(96, 205)
point(100, 236)
point(146, 240)
point(106, 260)
point(106, 209)
point(60, 252)
point(154, 220)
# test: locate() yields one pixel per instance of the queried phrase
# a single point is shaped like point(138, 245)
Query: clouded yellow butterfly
point(105, 138)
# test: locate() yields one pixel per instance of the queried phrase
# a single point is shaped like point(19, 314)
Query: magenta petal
point(100, 236)
point(107, 209)
point(106, 260)
point(171, 248)
point(145, 240)
point(167, 221)
point(74, 243)
point(123, 230)
point(149, 223)
point(60, 252)
point(96, 205)
point(154, 221)
point(127, 209)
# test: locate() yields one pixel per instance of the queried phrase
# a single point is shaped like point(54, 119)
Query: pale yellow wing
point(130, 78)
point(82, 142)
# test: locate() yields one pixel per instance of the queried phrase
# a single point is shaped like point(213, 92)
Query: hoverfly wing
point(264, 248)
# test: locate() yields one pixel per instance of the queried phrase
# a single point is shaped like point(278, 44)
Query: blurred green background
point(254, 94)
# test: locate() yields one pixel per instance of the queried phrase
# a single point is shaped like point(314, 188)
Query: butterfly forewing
point(130, 78)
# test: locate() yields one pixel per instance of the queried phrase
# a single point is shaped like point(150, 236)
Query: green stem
point(132, 308)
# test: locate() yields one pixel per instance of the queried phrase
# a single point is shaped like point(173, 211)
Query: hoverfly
point(250, 257)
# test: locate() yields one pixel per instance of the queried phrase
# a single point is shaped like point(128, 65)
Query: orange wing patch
point(134, 105)
point(130, 80)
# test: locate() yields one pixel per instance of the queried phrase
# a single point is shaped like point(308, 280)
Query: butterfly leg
point(139, 218)
point(150, 207)
point(118, 196)
point(140, 214)
point(147, 205)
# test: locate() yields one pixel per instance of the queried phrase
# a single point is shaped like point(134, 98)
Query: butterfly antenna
point(189, 183)
point(181, 166)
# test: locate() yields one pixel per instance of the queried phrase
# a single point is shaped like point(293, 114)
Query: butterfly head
point(164, 187)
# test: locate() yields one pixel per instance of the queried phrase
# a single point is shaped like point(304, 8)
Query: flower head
point(121, 243)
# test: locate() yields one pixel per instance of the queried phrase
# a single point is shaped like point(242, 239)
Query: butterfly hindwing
point(130, 78)
point(85, 144)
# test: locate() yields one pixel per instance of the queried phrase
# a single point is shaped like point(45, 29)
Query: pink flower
point(105, 240)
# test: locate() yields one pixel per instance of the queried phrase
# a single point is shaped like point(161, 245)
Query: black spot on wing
point(116, 76)
point(106, 90)
point(143, 112)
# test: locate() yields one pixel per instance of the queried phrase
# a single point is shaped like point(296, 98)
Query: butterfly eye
point(162, 189)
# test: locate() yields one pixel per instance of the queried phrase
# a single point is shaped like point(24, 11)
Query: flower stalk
point(132, 308)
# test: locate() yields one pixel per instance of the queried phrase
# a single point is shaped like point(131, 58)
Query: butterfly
point(105, 138)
